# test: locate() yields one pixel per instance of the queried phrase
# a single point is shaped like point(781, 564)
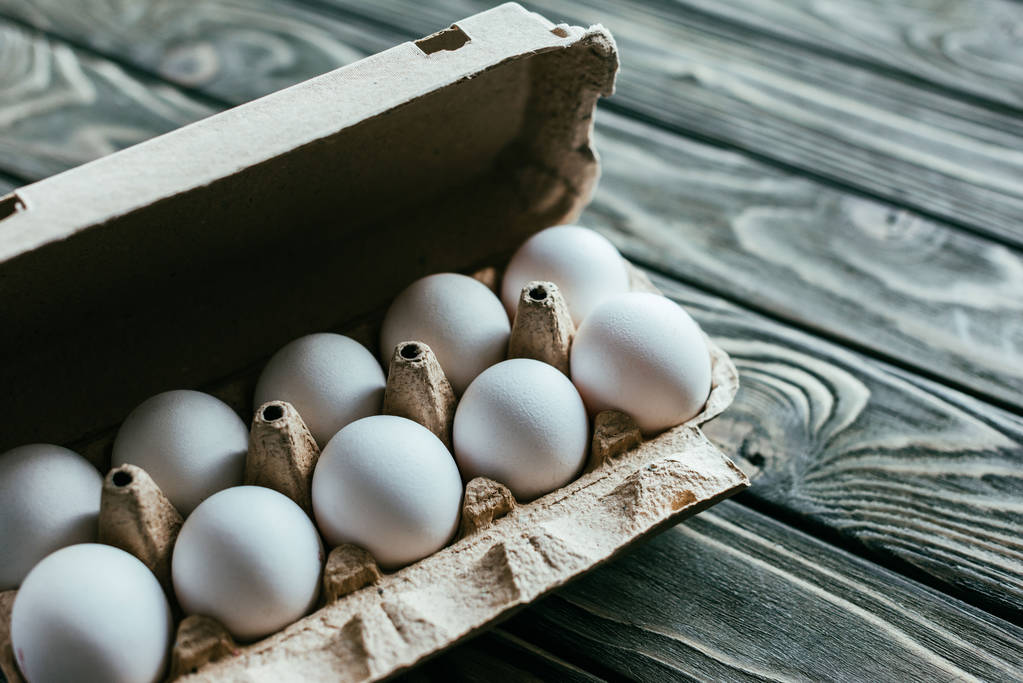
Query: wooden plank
point(733, 595)
point(903, 467)
point(233, 50)
point(796, 248)
point(881, 135)
point(497, 656)
point(931, 297)
point(970, 47)
point(60, 108)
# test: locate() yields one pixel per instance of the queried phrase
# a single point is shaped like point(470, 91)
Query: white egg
point(584, 265)
point(49, 498)
point(458, 317)
point(388, 485)
point(191, 444)
point(642, 354)
point(521, 423)
point(249, 557)
point(331, 380)
point(91, 612)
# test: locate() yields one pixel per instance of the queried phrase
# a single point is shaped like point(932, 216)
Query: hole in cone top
point(273, 412)
point(121, 478)
point(410, 351)
point(538, 293)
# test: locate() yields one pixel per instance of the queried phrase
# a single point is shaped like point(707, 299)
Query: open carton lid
point(183, 259)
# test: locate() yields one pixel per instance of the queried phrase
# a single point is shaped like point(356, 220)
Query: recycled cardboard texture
point(183, 259)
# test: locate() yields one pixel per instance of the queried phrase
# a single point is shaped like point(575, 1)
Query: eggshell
point(331, 380)
point(642, 354)
point(458, 317)
point(49, 498)
point(523, 424)
point(584, 265)
point(389, 485)
point(191, 444)
point(91, 612)
point(249, 557)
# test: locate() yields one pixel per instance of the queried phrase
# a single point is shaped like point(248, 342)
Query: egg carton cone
point(543, 328)
point(136, 516)
point(282, 453)
point(418, 390)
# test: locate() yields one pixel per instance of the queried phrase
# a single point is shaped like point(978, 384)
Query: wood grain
point(733, 595)
point(234, 50)
point(60, 108)
point(904, 467)
point(869, 131)
point(970, 47)
point(929, 296)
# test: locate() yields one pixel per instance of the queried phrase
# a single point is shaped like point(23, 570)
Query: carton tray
point(187, 260)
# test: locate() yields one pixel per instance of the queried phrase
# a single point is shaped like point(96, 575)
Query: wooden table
point(834, 188)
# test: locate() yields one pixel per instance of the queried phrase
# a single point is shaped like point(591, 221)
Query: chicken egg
point(249, 557)
point(331, 380)
point(191, 444)
point(458, 317)
point(584, 265)
point(641, 354)
point(523, 424)
point(49, 498)
point(91, 612)
point(387, 484)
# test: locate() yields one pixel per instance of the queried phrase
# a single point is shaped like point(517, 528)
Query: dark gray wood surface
point(62, 107)
point(498, 656)
point(968, 47)
point(889, 320)
point(732, 595)
point(905, 467)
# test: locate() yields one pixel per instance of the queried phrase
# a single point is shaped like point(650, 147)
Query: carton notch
point(449, 39)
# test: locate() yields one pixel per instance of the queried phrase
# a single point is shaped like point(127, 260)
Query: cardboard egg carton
point(187, 260)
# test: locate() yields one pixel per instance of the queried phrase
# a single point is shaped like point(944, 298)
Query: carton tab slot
point(10, 205)
point(448, 39)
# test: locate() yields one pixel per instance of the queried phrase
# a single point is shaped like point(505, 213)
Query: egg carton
point(507, 554)
point(506, 98)
point(373, 624)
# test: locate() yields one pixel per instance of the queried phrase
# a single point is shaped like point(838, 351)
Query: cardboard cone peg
point(200, 640)
point(282, 453)
point(418, 390)
point(614, 433)
point(543, 328)
point(7, 664)
point(349, 568)
point(485, 501)
point(135, 516)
